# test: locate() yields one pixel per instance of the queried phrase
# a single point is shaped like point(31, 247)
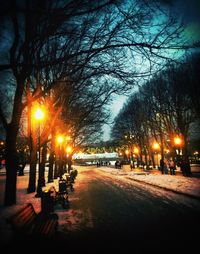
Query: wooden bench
point(60, 196)
point(27, 223)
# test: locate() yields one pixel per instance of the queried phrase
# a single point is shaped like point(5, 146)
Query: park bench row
point(53, 196)
point(27, 224)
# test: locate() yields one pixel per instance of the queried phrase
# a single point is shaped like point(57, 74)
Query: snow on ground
point(178, 183)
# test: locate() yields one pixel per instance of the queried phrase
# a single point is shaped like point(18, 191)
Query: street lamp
point(39, 116)
point(69, 158)
point(156, 147)
point(127, 154)
point(60, 140)
point(178, 142)
point(136, 153)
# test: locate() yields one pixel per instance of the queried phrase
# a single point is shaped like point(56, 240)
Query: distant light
point(177, 141)
point(127, 151)
point(156, 146)
point(69, 149)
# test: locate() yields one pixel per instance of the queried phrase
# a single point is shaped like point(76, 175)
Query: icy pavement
point(189, 186)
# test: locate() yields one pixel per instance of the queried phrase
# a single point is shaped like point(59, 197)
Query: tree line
point(72, 56)
point(164, 107)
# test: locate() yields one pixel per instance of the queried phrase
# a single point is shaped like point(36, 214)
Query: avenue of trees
point(164, 107)
point(71, 56)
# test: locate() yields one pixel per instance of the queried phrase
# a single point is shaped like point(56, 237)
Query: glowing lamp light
point(136, 150)
point(177, 141)
point(156, 146)
point(127, 151)
point(38, 114)
point(69, 149)
point(60, 139)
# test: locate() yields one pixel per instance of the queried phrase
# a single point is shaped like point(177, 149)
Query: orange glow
point(156, 146)
point(136, 150)
point(69, 149)
point(38, 114)
point(127, 151)
point(177, 141)
point(68, 138)
point(60, 139)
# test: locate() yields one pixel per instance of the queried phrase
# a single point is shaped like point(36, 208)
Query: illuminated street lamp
point(68, 149)
point(156, 148)
point(136, 153)
point(127, 153)
point(178, 142)
point(38, 115)
point(136, 150)
point(60, 140)
point(69, 158)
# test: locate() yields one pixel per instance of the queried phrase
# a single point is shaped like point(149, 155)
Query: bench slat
point(28, 222)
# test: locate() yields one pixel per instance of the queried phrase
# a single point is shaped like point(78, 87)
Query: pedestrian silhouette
point(185, 166)
point(172, 166)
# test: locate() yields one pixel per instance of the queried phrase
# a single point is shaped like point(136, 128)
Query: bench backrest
point(62, 186)
point(23, 219)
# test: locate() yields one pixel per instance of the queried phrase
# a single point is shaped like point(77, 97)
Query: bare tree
point(51, 40)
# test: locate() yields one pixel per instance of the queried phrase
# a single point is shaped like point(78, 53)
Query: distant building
point(93, 158)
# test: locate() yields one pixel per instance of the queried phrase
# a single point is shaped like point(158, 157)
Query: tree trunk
point(51, 164)
point(32, 174)
point(11, 166)
point(44, 155)
point(10, 153)
point(56, 169)
point(33, 149)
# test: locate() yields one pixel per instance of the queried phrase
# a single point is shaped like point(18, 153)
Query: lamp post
point(60, 140)
point(156, 147)
point(178, 143)
point(136, 152)
point(69, 158)
point(39, 116)
point(127, 152)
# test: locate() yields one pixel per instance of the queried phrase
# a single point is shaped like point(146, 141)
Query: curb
point(168, 189)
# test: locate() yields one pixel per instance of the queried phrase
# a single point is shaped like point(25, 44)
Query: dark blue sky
point(187, 11)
